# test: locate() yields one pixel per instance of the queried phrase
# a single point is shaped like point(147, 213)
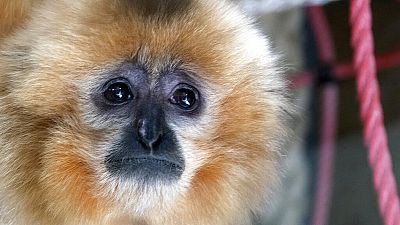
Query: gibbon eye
point(118, 92)
point(184, 96)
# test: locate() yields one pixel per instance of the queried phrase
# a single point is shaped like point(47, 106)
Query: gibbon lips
point(147, 168)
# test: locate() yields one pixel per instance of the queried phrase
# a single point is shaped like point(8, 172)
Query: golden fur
point(52, 53)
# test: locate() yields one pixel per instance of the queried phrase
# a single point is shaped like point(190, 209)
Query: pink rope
point(329, 99)
point(383, 61)
point(322, 33)
point(371, 112)
point(322, 201)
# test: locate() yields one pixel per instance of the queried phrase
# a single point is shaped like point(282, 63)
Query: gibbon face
point(138, 112)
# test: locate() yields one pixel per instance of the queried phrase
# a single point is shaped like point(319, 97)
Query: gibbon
point(137, 112)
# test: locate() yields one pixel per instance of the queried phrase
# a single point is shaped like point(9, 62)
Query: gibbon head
point(164, 112)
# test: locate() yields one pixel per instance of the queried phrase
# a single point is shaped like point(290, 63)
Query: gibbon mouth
point(143, 160)
point(148, 168)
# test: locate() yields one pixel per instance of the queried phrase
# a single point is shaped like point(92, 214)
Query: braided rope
point(371, 112)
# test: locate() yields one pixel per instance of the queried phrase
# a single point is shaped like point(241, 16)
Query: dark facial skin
point(148, 150)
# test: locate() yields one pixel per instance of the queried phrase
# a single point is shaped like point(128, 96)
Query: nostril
point(156, 141)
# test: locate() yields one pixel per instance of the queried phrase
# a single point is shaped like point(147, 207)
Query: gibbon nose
point(150, 132)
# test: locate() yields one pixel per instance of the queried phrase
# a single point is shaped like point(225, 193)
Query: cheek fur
point(67, 177)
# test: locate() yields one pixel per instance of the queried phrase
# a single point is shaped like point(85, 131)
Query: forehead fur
point(211, 35)
point(162, 9)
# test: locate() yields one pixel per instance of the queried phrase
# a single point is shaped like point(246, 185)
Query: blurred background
point(353, 200)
